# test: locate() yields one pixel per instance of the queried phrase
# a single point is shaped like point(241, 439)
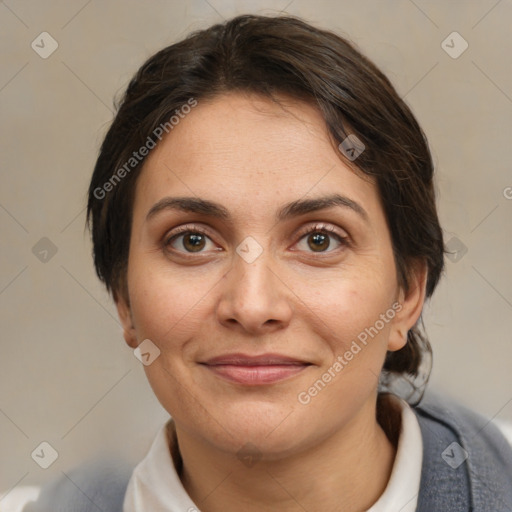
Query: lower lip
point(256, 375)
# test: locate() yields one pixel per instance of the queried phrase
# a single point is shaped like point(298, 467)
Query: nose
point(255, 299)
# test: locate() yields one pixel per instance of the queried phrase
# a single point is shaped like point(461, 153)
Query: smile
point(255, 370)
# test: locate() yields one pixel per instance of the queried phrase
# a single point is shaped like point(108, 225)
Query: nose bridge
point(253, 296)
point(252, 277)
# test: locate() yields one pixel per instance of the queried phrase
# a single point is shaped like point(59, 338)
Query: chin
point(271, 428)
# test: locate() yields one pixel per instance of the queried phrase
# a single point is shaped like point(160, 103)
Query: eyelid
point(184, 229)
point(322, 226)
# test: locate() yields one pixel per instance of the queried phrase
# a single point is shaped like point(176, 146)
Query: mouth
point(255, 370)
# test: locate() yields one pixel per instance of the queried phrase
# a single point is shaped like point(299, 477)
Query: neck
point(348, 471)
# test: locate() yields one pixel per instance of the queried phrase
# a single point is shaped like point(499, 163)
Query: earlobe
point(397, 339)
point(125, 315)
point(411, 303)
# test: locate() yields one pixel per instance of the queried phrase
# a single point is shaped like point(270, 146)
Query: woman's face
point(256, 269)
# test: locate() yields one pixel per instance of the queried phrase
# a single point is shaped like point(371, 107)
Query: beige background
point(67, 377)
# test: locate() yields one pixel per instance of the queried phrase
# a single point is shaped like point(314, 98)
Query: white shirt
point(156, 486)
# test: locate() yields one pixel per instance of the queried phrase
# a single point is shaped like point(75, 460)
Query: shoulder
point(99, 484)
point(465, 456)
point(467, 423)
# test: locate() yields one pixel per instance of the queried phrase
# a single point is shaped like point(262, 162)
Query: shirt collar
point(403, 487)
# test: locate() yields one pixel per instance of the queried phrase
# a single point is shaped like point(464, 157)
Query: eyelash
point(316, 228)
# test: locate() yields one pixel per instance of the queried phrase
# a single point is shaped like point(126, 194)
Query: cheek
point(168, 310)
point(350, 304)
point(354, 321)
point(165, 303)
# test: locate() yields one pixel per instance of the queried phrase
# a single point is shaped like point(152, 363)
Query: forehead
point(244, 150)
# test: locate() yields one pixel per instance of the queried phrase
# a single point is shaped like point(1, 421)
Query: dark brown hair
point(272, 56)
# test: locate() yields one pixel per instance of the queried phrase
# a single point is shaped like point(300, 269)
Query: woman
point(263, 212)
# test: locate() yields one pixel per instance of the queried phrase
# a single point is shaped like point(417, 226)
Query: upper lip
point(239, 359)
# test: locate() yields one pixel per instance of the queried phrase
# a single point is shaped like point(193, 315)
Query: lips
point(259, 360)
point(255, 370)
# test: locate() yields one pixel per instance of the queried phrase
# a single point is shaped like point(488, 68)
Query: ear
point(125, 315)
point(409, 306)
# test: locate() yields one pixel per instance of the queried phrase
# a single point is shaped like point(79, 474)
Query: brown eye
point(318, 241)
point(193, 242)
point(188, 240)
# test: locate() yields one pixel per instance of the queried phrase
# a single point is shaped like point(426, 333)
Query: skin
point(252, 156)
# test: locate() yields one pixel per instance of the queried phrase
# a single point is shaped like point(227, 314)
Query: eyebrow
point(289, 210)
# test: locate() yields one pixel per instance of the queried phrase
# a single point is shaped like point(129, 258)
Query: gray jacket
point(467, 467)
